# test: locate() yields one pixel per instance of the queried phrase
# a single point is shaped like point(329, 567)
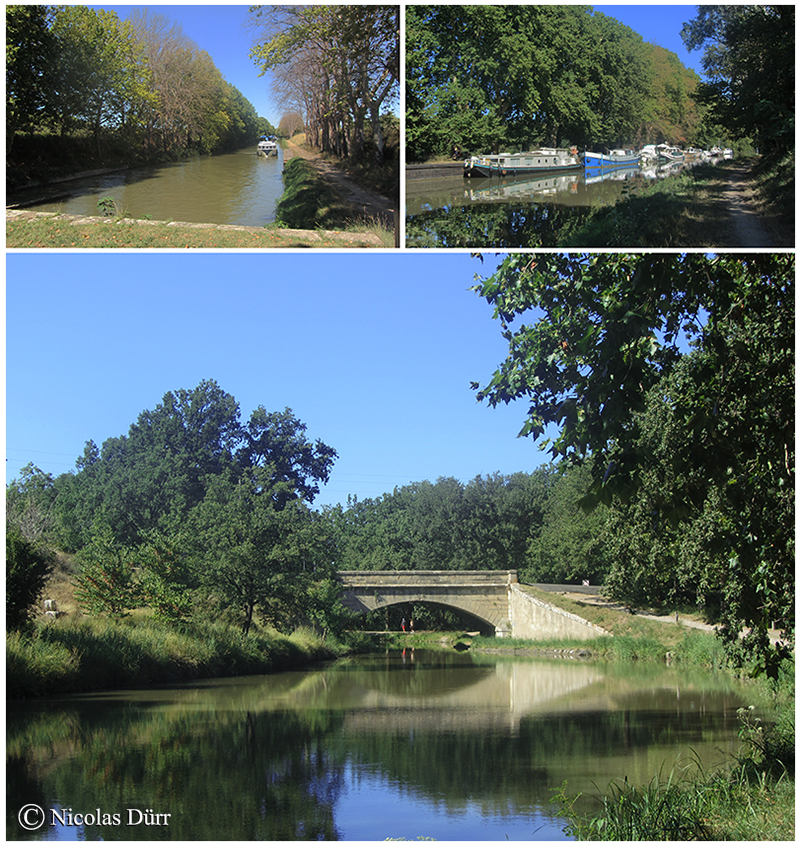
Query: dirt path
point(368, 203)
point(750, 224)
point(674, 619)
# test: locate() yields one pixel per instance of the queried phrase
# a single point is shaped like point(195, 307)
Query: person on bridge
point(411, 626)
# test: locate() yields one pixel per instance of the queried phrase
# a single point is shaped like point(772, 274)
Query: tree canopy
point(141, 82)
point(749, 57)
point(491, 77)
point(336, 66)
point(672, 377)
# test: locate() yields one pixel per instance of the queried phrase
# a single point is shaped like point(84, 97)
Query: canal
point(400, 744)
point(521, 211)
point(238, 188)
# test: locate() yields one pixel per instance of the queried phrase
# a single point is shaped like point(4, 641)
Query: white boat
point(267, 147)
point(544, 160)
point(667, 153)
point(648, 153)
point(614, 158)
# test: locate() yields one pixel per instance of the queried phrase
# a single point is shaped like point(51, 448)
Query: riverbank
point(27, 229)
point(740, 203)
point(83, 654)
point(321, 192)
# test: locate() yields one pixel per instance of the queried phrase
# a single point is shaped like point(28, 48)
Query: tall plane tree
point(748, 56)
point(337, 65)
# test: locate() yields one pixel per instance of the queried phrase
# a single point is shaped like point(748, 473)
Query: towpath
point(750, 224)
point(369, 203)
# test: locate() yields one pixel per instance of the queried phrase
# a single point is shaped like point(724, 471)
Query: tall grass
point(751, 799)
point(87, 654)
point(309, 202)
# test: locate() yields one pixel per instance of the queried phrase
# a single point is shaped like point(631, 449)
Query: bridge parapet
point(425, 578)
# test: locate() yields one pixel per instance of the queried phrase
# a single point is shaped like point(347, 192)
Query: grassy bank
point(310, 202)
point(689, 210)
point(86, 654)
point(751, 798)
point(35, 231)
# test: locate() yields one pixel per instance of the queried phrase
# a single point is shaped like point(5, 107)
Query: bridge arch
point(482, 594)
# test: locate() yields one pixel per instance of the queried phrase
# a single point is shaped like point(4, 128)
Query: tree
point(276, 441)
point(334, 65)
point(30, 53)
point(612, 333)
point(570, 545)
point(96, 67)
point(749, 59)
point(106, 583)
point(30, 504)
point(246, 547)
point(290, 124)
point(27, 569)
point(501, 77)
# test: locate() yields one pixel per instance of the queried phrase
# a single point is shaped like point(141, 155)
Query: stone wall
point(535, 619)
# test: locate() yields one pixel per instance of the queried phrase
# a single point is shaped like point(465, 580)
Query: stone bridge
point(494, 597)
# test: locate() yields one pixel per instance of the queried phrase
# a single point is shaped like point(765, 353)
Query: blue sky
point(659, 24)
point(374, 353)
point(221, 31)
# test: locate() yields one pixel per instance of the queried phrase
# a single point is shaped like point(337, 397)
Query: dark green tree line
point(504, 77)
point(749, 57)
point(528, 522)
point(82, 72)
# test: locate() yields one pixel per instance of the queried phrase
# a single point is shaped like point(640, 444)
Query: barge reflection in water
point(402, 744)
point(539, 210)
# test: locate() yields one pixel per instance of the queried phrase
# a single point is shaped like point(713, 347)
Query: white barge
point(545, 160)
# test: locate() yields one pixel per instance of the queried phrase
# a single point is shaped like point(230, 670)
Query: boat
point(648, 153)
point(267, 147)
point(544, 160)
point(666, 153)
point(614, 158)
point(593, 175)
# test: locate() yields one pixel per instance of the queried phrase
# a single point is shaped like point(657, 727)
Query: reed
point(85, 654)
point(750, 798)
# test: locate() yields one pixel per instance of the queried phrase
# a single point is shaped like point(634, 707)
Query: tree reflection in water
point(453, 745)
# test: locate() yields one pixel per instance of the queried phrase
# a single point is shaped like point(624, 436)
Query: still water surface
point(235, 188)
point(520, 211)
point(441, 745)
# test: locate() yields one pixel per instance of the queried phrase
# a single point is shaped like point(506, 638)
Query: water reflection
point(439, 744)
point(517, 211)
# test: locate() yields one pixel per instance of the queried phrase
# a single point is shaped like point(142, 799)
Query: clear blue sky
point(374, 353)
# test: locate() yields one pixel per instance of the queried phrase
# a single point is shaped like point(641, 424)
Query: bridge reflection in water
point(491, 697)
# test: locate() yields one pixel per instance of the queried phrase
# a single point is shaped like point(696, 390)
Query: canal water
point(239, 188)
point(399, 744)
point(521, 211)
